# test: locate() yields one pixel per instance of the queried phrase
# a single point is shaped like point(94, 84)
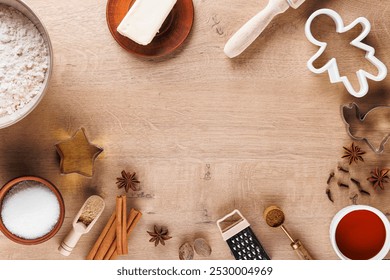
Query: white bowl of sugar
point(31, 210)
point(26, 61)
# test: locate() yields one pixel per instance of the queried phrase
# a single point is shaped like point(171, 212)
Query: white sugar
point(30, 210)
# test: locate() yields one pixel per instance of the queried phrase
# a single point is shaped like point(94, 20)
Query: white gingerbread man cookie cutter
point(332, 67)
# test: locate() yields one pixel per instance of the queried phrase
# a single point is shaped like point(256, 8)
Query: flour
point(24, 60)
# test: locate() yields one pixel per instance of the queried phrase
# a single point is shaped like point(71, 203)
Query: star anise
point(379, 177)
point(353, 154)
point(159, 235)
point(127, 181)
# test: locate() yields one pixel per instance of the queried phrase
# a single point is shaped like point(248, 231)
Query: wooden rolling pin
point(255, 26)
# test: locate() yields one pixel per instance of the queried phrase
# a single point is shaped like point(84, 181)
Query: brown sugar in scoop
point(82, 223)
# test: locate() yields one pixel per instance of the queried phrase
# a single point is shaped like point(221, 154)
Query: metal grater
point(241, 239)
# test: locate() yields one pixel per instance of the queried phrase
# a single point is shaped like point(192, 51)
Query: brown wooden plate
point(172, 34)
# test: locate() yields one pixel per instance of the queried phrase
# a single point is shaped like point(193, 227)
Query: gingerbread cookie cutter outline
point(361, 118)
point(332, 67)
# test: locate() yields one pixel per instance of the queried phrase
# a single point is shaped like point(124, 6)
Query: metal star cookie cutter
point(332, 67)
point(372, 127)
point(78, 154)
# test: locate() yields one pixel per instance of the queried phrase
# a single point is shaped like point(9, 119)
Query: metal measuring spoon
point(274, 217)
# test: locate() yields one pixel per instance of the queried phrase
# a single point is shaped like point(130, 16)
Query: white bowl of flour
point(26, 61)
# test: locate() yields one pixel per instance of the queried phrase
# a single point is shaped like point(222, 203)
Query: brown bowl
point(7, 187)
point(173, 32)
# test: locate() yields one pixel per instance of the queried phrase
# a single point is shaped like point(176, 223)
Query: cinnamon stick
point(110, 251)
point(125, 246)
point(99, 241)
point(106, 243)
point(119, 225)
point(132, 220)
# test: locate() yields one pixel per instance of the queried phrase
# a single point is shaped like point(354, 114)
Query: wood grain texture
point(205, 134)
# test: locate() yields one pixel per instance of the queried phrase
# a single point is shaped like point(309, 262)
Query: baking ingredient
point(92, 208)
point(201, 247)
point(274, 217)
point(359, 186)
point(331, 176)
point(127, 181)
point(379, 177)
point(364, 192)
point(342, 169)
point(105, 246)
point(144, 19)
point(132, 220)
point(353, 154)
point(360, 235)
point(329, 195)
point(121, 225)
point(30, 210)
point(186, 252)
point(357, 183)
point(159, 235)
point(24, 61)
point(83, 222)
point(342, 185)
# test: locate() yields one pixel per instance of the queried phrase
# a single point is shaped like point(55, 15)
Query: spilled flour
point(24, 60)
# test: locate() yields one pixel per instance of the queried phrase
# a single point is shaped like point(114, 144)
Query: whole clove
point(357, 183)
point(359, 186)
point(342, 169)
point(364, 192)
point(342, 185)
point(331, 176)
point(329, 194)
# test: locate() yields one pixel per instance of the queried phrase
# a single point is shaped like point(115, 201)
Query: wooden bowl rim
point(3, 192)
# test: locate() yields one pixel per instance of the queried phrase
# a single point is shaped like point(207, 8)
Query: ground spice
point(91, 210)
point(274, 218)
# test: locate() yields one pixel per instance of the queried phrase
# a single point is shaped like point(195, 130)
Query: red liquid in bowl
point(360, 235)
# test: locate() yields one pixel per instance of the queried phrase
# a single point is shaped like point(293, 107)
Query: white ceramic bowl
point(20, 114)
point(343, 212)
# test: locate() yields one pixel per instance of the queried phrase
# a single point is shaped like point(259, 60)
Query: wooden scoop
point(82, 223)
point(274, 217)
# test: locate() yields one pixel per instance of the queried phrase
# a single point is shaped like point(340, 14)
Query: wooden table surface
point(206, 134)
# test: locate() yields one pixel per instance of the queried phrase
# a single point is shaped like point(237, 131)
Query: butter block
point(144, 19)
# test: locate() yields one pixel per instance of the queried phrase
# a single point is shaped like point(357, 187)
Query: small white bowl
point(342, 213)
point(21, 113)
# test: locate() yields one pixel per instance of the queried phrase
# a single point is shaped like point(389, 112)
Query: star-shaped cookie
point(77, 154)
